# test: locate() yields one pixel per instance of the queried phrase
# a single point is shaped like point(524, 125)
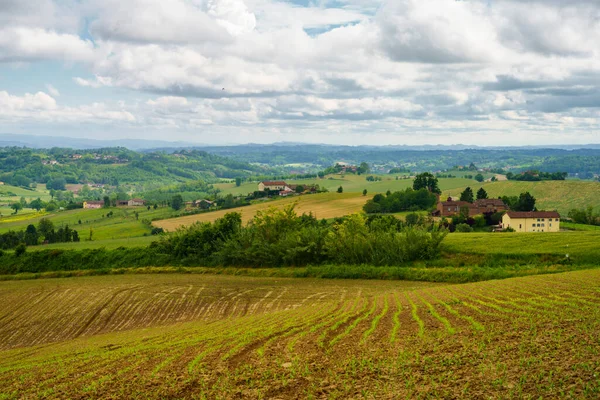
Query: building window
point(543, 225)
point(520, 227)
point(550, 225)
point(538, 220)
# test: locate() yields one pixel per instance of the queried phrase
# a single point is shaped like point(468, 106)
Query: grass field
point(122, 225)
point(583, 243)
point(350, 183)
point(322, 205)
point(179, 336)
point(550, 195)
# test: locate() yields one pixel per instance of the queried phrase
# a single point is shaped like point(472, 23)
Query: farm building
point(93, 204)
point(271, 185)
point(136, 202)
point(532, 221)
point(452, 207)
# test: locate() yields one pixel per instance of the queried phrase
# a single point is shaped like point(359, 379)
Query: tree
point(494, 179)
point(16, 207)
point(238, 182)
point(46, 228)
point(481, 194)
point(479, 178)
point(36, 204)
point(106, 202)
point(363, 168)
point(365, 192)
point(467, 195)
point(340, 189)
point(300, 189)
point(177, 202)
point(526, 202)
point(426, 181)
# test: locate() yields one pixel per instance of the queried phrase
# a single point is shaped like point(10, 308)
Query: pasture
point(351, 184)
point(561, 196)
point(322, 205)
point(238, 337)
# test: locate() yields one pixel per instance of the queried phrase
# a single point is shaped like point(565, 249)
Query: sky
point(377, 72)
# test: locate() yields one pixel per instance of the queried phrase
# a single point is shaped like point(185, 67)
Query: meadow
point(322, 205)
point(351, 183)
point(237, 337)
point(561, 196)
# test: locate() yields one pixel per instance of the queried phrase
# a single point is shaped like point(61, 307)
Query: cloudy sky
point(484, 72)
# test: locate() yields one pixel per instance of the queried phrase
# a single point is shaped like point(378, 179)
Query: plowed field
point(276, 338)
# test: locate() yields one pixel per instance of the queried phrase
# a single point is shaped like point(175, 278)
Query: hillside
point(117, 166)
point(187, 336)
point(322, 205)
point(351, 184)
point(550, 195)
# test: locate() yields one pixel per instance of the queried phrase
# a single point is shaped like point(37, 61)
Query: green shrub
point(463, 228)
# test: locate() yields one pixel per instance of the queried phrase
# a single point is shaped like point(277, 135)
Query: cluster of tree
point(32, 235)
point(468, 196)
point(372, 178)
point(426, 181)
point(585, 216)
point(399, 170)
point(405, 200)
point(534, 175)
point(279, 237)
point(363, 168)
point(524, 202)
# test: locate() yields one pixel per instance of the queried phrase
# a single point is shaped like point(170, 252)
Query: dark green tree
point(340, 189)
point(467, 195)
point(106, 201)
point(16, 207)
point(427, 181)
point(479, 178)
point(36, 204)
point(177, 202)
point(365, 192)
point(238, 182)
point(526, 202)
point(300, 189)
point(481, 194)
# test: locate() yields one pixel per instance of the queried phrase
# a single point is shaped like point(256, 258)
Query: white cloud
point(31, 44)
point(404, 69)
point(52, 90)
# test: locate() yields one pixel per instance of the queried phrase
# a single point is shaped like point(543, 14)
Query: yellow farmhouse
point(272, 185)
point(532, 221)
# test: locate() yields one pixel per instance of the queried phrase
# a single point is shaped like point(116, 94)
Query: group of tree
point(279, 237)
point(585, 216)
point(467, 195)
point(524, 202)
point(372, 178)
point(32, 235)
point(404, 200)
point(534, 175)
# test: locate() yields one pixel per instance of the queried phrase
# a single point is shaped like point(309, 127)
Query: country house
point(532, 221)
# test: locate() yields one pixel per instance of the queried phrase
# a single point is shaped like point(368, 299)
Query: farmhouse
point(532, 221)
point(136, 202)
point(271, 185)
point(93, 204)
point(451, 207)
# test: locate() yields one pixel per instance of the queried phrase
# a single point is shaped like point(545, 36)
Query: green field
point(122, 229)
point(322, 205)
point(561, 196)
point(351, 184)
point(192, 336)
point(560, 243)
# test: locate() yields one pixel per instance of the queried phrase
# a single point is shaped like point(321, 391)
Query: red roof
point(489, 202)
point(533, 214)
point(456, 203)
point(274, 183)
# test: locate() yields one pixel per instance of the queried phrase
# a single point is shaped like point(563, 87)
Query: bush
point(20, 249)
point(463, 228)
